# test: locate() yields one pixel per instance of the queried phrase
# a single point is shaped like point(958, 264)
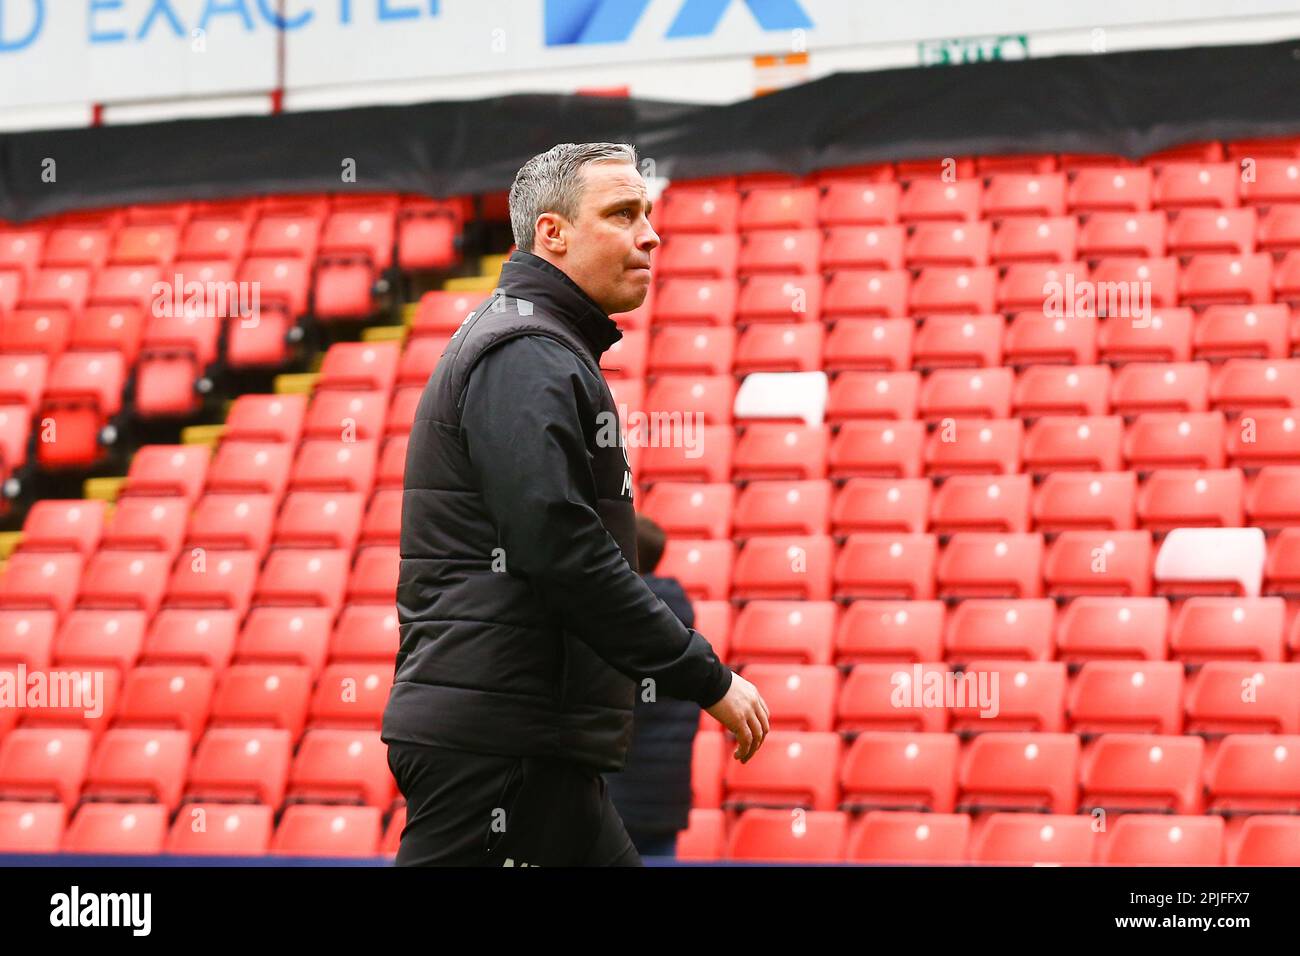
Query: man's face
point(606, 248)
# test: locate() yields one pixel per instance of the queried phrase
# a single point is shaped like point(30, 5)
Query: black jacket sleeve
point(528, 414)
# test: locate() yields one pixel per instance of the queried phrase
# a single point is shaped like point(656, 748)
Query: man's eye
point(625, 212)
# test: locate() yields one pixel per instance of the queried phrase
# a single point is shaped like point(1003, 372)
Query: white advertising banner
point(116, 51)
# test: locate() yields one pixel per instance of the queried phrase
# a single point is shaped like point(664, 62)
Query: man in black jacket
point(525, 630)
point(653, 793)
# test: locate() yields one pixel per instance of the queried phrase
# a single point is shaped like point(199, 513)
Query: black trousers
point(472, 809)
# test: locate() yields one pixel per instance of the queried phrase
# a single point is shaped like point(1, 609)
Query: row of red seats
point(1053, 443)
point(1174, 336)
point(697, 284)
point(206, 637)
point(304, 693)
point(970, 564)
point(1000, 839)
point(203, 829)
point(1034, 237)
point(1003, 770)
point(1105, 697)
point(941, 192)
point(1166, 499)
point(1085, 629)
point(162, 765)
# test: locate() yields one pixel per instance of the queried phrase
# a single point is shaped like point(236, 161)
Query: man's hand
point(743, 711)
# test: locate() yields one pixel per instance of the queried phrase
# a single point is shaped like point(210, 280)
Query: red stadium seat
point(791, 769)
point(1175, 440)
point(90, 639)
point(64, 525)
point(941, 289)
point(1267, 841)
point(930, 199)
point(38, 763)
point(881, 504)
point(780, 348)
point(886, 566)
point(1132, 288)
point(1092, 628)
point(779, 251)
point(908, 837)
point(893, 697)
point(987, 564)
point(787, 836)
point(778, 208)
point(239, 764)
point(784, 632)
point(1096, 500)
point(708, 460)
point(1050, 239)
point(704, 839)
point(329, 465)
point(215, 829)
point(785, 566)
point(262, 695)
point(863, 293)
point(1016, 839)
point(33, 579)
point(877, 448)
point(1127, 696)
point(946, 244)
point(685, 209)
point(974, 446)
point(706, 256)
point(691, 510)
point(1276, 180)
point(1192, 185)
point(1142, 772)
point(1102, 189)
point(859, 203)
point(117, 828)
point(148, 523)
point(783, 507)
point(1255, 773)
point(963, 393)
point(133, 764)
point(374, 576)
point(31, 827)
point(777, 298)
point(1033, 338)
point(702, 567)
point(799, 696)
point(341, 766)
point(1001, 630)
point(168, 696)
point(1226, 277)
point(1225, 232)
point(223, 579)
point(26, 637)
point(1163, 386)
point(1019, 771)
point(1009, 696)
point(325, 831)
point(266, 418)
point(441, 312)
point(981, 503)
point(865, 247)
point(1083, 563)
point(186, 636)
point(1141, 839)
point(1271, 498)
point(368, 632)
point(239, 522)
point(1249, 384)
point(855, 395)
point(287, 635)
point(1180, 498)
point(1136, 234)
point(1228, 697)
point(319, 519)
point(351, 695)
point(900, 771)
point(1266, 436)
point(909, 631)
point(869, 345)
point(695, 301)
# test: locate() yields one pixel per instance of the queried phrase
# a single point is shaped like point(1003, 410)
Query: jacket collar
point(530, 277)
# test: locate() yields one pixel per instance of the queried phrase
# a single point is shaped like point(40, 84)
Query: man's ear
point(551, 233)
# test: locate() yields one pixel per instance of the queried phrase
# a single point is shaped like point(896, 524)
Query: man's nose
point(649, 239)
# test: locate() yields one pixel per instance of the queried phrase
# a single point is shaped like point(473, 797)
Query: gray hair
point(552, 182)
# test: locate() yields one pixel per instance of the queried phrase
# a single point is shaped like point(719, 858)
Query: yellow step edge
point(9, 540)
point(102, 489)
point(202, 434)
point(296, 383)
point(471, 283)
point(491, 265)
point(318, 360)
point(384, 333)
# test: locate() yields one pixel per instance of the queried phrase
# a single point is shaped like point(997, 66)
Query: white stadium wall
point(75, 62)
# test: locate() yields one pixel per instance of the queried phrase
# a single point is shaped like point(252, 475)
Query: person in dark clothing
point(524, 628)
point(653, 792)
